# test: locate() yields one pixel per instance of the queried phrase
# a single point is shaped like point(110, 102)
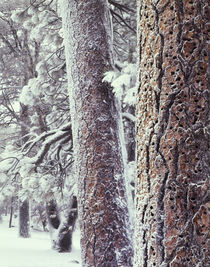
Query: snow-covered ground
point(34, 251)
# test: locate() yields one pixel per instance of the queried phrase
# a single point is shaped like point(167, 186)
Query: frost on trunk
point(102, 201)
point(173, 149)
point(24, 219)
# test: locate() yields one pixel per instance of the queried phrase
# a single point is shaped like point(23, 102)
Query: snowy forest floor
point(34, 251)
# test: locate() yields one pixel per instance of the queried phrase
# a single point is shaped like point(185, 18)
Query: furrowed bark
point(102, 203)
point(172, 201)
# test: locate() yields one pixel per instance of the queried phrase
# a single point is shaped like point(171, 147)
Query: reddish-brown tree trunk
point(172, 203)
point(103, 212)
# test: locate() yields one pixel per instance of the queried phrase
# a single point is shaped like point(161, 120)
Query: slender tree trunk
point(102, 201)
point(172, 202)
point(24, 219)
point(11, 213)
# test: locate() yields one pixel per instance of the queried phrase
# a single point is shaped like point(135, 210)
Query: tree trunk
point(24, 219)
point(102, 201)
point(61, 231)
point(64, 240)
point(173, 141)
point(11, 213)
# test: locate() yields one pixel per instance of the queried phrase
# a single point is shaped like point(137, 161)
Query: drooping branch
point(43, 136)
point(121, 7)
point(45, 148)
point(129, 116)
point(115, 14)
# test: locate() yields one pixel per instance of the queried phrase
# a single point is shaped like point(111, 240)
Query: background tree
point(172, 202)
point(22, 49)
point(103, 211)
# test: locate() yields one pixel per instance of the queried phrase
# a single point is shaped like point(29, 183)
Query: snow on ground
point(35, 251)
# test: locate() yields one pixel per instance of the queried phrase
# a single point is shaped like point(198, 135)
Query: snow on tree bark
point(102, 202)
point(173, 141)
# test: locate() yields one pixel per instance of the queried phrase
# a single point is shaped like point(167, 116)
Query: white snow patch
point(34, 251)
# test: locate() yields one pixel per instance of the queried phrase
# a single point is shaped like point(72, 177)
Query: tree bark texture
point(172, 201)
point(102, 202)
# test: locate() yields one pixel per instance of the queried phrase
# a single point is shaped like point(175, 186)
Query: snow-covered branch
point(129, 116)
point(60, 136)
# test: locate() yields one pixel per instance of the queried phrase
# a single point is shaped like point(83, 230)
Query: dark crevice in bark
point(176, 160)
point(159, 63)
point(148, 167)
point(179, 4)
point(148, 161)
point(165, 118)
point(160, 218)
point(163, 8)
point(157, 100)
point(143, 213)
point(144, 235)
point(180, 15)
point(145, 249)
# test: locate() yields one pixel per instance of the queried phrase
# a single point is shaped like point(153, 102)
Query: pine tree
point(103, 212)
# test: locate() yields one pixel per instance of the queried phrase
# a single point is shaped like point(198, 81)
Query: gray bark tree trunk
point(30, 65)
point(172, 201)
point(24, 219)
point(11, 213)
point(24, 212)
point(102, 202)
